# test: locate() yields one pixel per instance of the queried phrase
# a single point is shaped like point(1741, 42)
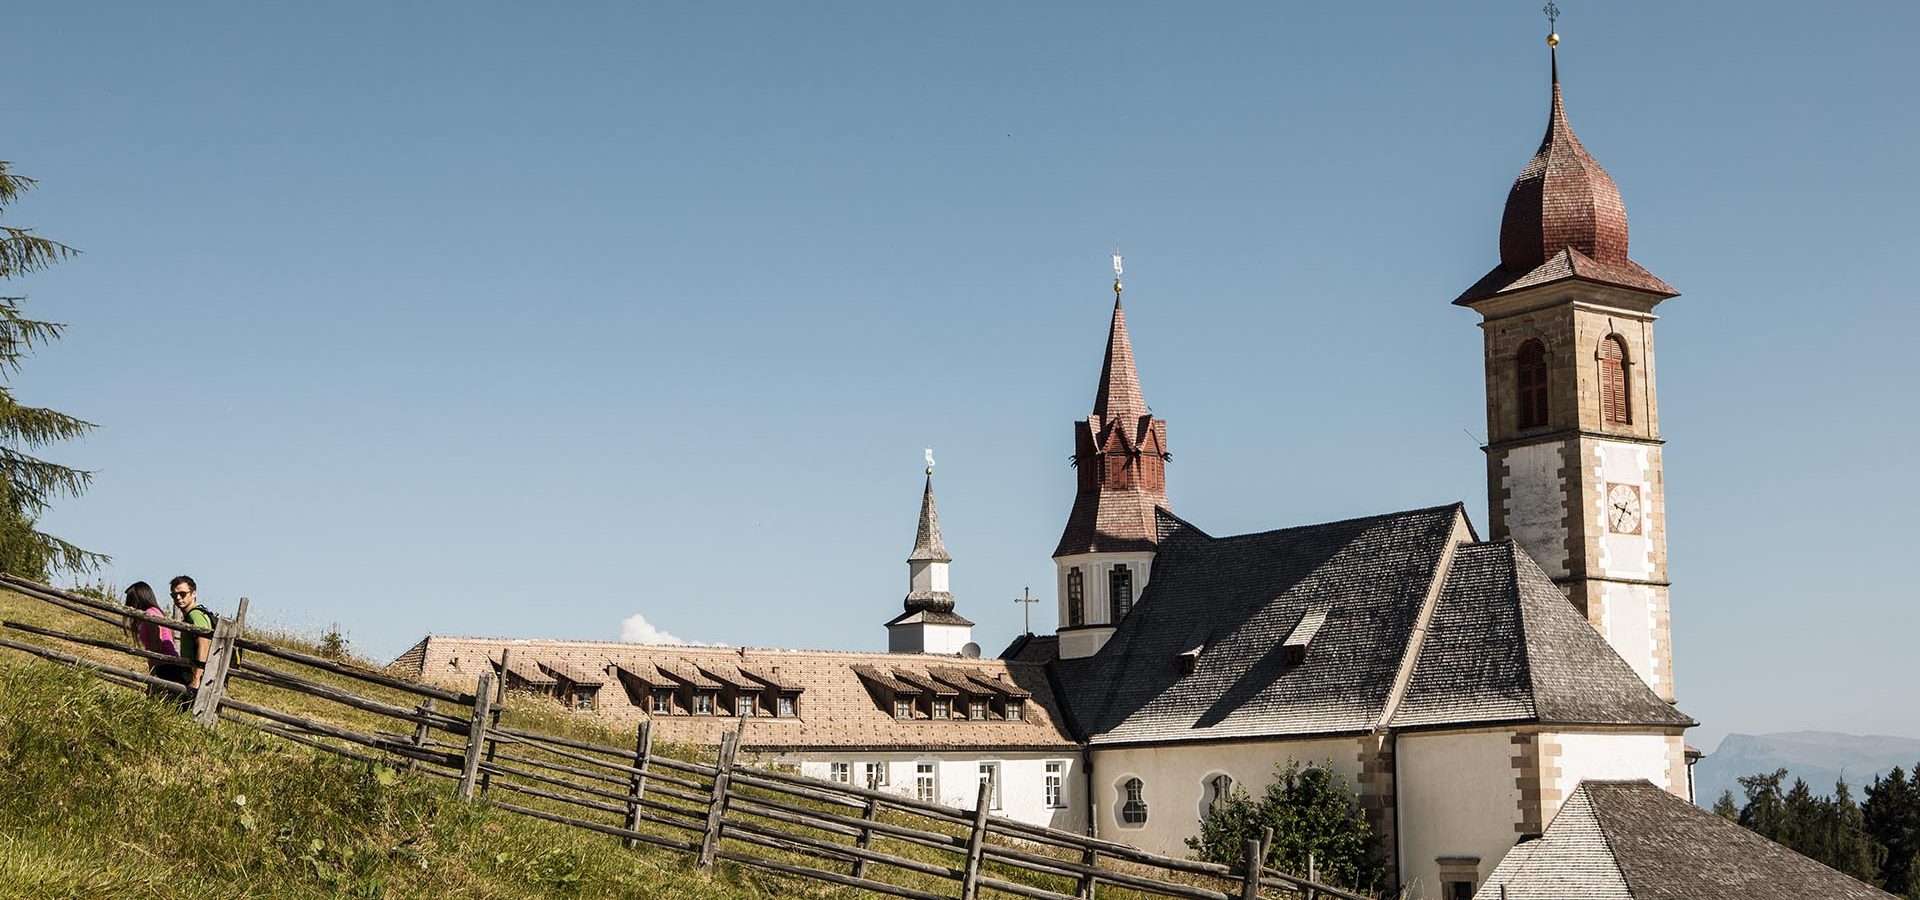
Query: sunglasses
point(179, 594)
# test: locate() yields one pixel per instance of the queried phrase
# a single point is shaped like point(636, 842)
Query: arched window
point(1076, 597)
point(1219, 791)
point(1530, 371)
point(1120, 592)
point(1614, 407)
point(1133, 802)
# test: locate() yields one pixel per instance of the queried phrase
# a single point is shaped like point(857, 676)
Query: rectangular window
point(942, 708)
point(1076, 597)
point(662, 702)
point(990, 776)
point(841, 772)
point(1016, 710)
point(925, 788)
point(902, 708)
point(784, 707)
point(1457, 890)
point(703, 703)
point(874, 774)
point(1120, 592)
point(743, 706)
point(976, 709)
point(1056, 772)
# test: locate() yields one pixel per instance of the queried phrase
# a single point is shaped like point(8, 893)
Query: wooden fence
point(722, 810)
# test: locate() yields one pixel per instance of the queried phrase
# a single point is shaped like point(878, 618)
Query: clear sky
point(519, 319)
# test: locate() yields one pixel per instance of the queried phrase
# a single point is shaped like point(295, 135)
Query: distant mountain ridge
point(1820, 757)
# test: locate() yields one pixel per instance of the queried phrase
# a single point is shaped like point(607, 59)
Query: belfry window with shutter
point(1613, 381)
point(1076, 597)
point(1530, 381)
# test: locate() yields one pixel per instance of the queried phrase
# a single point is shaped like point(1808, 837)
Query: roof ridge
point(1397, 514)
point(1509, 551)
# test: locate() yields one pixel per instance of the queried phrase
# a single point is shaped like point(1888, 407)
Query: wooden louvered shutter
point(1531, 370)
point(1613, 381)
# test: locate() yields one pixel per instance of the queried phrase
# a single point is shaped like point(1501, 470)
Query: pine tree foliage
point(1312, 812)
point(31, 484)
point(1877, 841)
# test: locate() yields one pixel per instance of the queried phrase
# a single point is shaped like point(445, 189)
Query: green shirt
point(190, 643)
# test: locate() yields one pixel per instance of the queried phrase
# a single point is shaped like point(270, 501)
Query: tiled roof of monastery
point(1629, 840)
point(837, 708)
point(1503, 643)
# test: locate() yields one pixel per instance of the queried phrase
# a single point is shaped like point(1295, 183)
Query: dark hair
point(179, 580)
point(140, 596)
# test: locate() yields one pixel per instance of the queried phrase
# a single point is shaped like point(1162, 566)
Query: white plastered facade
point(1023, 779)
point(1174, 780)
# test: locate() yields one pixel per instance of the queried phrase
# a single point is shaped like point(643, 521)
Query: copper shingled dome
point(1563, 198)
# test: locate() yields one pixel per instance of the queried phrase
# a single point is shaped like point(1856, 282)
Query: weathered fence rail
point(723, 811)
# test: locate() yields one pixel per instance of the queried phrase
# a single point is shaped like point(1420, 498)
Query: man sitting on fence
point(193, 647)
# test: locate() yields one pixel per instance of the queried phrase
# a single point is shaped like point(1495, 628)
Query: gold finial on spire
point(1553, 21)
point(1118, 269)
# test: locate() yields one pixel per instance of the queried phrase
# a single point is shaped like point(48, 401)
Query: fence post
point(213, 677)
point(1313, 875)
point(637, 783)
point(1250, 874)
point(420, 731)
point(1091, 859)
point(476, 734)
point(499, 704)
point(722, 778)
point(976, 842)
point(865, 838)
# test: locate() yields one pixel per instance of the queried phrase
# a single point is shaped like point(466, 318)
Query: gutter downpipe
point(1086, 765)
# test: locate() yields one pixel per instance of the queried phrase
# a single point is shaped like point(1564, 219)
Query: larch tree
point(32, 483)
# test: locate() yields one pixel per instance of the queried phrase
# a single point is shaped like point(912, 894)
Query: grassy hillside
point(106, 794)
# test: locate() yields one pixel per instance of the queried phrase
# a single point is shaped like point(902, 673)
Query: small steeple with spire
point(929, 624)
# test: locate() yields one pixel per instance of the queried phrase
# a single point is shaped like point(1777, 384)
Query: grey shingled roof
point(1505, 645)
point(1629, 839)
point(1246, 594)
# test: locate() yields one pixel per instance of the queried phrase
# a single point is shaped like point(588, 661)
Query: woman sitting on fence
point(153, 636)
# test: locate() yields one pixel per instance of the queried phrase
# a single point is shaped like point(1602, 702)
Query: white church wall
point(1094, 567)
point(1024, 776)
point(1174, 781)
point(1611, 756)
point(1536, 512)
point(1457, 797)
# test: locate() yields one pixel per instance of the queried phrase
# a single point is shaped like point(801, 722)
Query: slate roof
point(1503, 644)
point(1629, 840)
point(1240, 597)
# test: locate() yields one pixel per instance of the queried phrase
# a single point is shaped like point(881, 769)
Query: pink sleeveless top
point(155, 637)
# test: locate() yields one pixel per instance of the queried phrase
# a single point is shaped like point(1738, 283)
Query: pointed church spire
point(1118, 397)
point(926, 542)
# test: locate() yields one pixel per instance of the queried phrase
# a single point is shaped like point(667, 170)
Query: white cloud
point(635, 629)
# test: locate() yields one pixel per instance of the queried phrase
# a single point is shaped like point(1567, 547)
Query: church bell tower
point(1573, 437)
point(1106, 553)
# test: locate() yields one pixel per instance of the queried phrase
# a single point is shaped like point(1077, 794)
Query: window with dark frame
point(1133, 808)
point(703, 703)
point(745, 707)
point(1614, 407)
point(942, 708)
point(902, 708)
point(662, 702)
point(1530, 383)
point(1076, 597)
point(1120, 592)
point(1219, 791)
point(1016, 709)
point(976, 709)
point(841, 772)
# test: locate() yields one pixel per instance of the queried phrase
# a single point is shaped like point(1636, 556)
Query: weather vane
point(1553, 23)
point(1118, 270)
point(929, 460)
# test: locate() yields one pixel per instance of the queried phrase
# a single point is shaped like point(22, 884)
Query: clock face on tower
point(1623, 508)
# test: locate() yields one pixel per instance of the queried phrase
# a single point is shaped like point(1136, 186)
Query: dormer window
point(1120, 592)
point(1016, 710)
point(1293, 651)
point(744, 706)
point(1076, 597)
point(902, 708)
point(661, 702)
point(703, 703)
point(784, 707)
point(976, 709)
point(942, 708)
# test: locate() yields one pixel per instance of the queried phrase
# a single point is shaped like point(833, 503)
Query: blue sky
point(506, 319)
